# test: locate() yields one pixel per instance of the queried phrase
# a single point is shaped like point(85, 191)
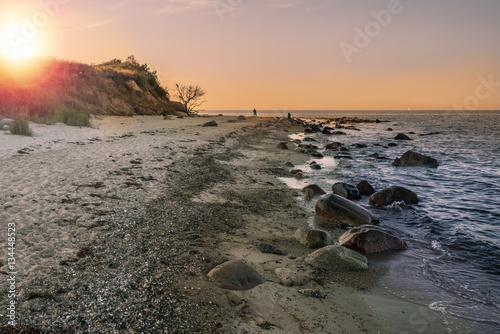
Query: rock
point(360, 145)
point(344, 149)
point(315, 165)
point(316, 154)
point(289, 164)
point(333, 146)
point(211, 123)
point(269, 248)
point(338, 133)
point(342, 156)
point(371, 239)
point(241, 118)
point(337, 258)
point(346, 190)
point(295, 171)
point(235, 275)
point(308, 131)
point(413, 159)
point(365, 188)
point(311, 191)
point(392, 144)
point(5, 122)
point(290, 278)
point(299, 175)
point(393, 194)
point(282, 146)
point(313, 293)
point(326, 132)
point(390, 129)
point(336, 210)
point(402, 136)
point(309, 139)
point(312, 238)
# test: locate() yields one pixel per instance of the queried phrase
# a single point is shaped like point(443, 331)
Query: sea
point(452, 265)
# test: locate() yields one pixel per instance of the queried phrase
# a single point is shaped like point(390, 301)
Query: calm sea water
point(453, 262)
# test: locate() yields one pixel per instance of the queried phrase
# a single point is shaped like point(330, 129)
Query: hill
point(115, 87)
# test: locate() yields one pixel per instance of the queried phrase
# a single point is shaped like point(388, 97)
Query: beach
point(117, 227)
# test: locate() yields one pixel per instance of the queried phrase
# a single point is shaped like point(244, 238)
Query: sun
point(18, 42)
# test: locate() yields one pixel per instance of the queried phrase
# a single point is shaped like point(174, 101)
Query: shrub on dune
point(20, 126)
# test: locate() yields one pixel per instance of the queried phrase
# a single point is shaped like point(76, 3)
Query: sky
point(284, 54)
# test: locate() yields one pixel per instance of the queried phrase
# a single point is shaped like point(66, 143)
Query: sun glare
point(16, 41)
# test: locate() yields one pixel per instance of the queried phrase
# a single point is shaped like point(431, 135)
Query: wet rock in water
point(315, 165)
point(372, 239)
point(289, 164)
point(326, 132)
point(308, 131)
point(290, 278)
point(338, 133)
point(211, 123)
point(316, 154)
point(344, 149)
point(269, 248)
point(337, 258)
point(390, 129)
point(333, 146)
point(309, 139)
point(336, 210)
point(343, 156)
point(392, 144)
point(299, 175)
point(315, 293)
point(402, 136)
point(312, 238)
point(295, 171)
point(393, 194)
point(235, 275)
point(360, 145)
point(312, 191)
point(365, 188)
point(282, 146)
point(346, 190)
point(413, 159)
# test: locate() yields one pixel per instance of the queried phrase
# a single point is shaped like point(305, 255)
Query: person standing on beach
point(255, 112)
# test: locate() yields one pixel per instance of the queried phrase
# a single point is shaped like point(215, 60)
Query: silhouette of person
point(255, 112)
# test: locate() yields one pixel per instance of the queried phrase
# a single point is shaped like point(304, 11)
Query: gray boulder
point(346, 190)
point(211, 123)
point(235, 275)
point(4, 122)
point(282, 146)
point(371, 239)
point(290, 278)
point(311, 191)
point(337, 258)
point(336, 210)
point(312, 238)
point(413, 159)
point(393, 194)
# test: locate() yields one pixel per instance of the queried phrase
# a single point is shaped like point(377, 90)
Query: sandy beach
point(118, 225)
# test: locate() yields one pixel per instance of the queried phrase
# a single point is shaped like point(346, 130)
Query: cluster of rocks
point(337, 209)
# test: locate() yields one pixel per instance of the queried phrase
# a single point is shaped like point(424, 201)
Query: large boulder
point(337, 258)
point(210, 124)
point(365, 188)
point(337, 211)
point(371, 239)
point(4, 122)
point(346, 190)
point(235, 275)
point(311, 191)
point(393, 194)
point(413, 159)
point(312, 238)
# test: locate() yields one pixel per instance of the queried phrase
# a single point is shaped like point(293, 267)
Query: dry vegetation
point(50, 89)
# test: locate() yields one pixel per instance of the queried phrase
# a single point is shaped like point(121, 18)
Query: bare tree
point(190, 96)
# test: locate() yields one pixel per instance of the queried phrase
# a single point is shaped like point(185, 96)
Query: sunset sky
point(285, 54)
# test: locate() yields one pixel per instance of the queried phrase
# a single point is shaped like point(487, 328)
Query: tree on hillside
point(190, 96)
